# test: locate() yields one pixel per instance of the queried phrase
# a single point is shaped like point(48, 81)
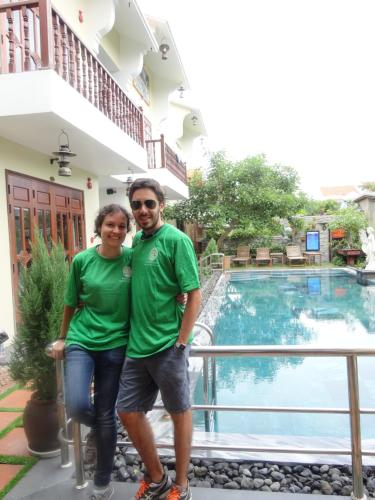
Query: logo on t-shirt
point(126, 272)
point(153, 255)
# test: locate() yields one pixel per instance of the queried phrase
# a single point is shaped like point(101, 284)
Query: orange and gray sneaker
point(179, 493)
point(150, 491)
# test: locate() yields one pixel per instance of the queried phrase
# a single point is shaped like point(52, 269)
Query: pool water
point(294, 308)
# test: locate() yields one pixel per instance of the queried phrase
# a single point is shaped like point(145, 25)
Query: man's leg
point(141, 435)
point(183, 431)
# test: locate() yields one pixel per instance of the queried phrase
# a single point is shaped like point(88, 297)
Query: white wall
point(26, 161)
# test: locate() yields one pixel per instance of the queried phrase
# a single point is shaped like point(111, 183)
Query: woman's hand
point(182, 298)
point(58, 349)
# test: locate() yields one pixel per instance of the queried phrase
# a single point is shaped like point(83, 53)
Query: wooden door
point(57, 211)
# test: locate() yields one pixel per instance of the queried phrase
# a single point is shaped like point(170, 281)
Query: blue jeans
point(82, 366)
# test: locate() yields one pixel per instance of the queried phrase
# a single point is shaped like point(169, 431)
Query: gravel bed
point(242, 475)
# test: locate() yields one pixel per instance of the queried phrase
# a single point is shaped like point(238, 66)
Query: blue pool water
point(293, 308)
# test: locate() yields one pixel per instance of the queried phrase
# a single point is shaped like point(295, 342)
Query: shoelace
point(174, 493)
point(142, 488)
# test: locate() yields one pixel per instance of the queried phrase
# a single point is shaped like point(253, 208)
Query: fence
point(353, 410)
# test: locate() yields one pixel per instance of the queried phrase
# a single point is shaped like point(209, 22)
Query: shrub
point(41, 293)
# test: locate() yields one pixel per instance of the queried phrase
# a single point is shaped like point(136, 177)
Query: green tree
point(243, 199)
point(351, 219)
point(319, 207)
point(41, 293)
point(368, 186)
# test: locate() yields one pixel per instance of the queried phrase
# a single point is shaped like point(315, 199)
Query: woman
point(94, 337)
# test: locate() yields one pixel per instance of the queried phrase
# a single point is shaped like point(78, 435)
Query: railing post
point(142, 127)
point(61, 414)
point(355, 428)
point(162, 148)
point(205, 392)
point(77, 444)
point(46, 38)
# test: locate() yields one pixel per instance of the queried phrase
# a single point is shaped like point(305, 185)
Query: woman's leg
point(79, 372)
point(108, 365)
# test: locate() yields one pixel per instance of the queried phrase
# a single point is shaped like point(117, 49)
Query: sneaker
point(102, 493)
point(148, 491)
point(90, 454)
point(179, 493)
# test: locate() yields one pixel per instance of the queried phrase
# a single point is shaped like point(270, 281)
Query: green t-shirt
point(103, 286)
point(163, 266)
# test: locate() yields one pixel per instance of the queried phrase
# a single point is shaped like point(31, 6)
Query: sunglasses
point(136, 204)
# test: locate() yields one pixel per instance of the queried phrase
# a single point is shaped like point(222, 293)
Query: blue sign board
point(312, 241)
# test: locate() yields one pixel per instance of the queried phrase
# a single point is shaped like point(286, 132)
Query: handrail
point(354, 411)
point(210, 263)
point(62, 50)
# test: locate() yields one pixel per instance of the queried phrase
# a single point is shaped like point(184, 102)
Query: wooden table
point(311, 257)
point(277, 255)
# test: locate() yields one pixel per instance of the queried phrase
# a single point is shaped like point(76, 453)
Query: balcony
point(160, 155)
point(34, 37)
point(46, 70)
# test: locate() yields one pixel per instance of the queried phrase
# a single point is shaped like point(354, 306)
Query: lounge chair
point(294, 256)
point(243, 255)
point(263, 256)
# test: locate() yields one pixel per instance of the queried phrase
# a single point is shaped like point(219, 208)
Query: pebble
point(262, 476)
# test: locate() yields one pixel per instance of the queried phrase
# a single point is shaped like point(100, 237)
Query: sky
point(292, 79)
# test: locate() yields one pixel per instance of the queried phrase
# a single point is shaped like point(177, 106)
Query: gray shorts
point(142, 378)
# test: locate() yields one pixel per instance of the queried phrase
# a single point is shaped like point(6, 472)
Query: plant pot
point(41, 427)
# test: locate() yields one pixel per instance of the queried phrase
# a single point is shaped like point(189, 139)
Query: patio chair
point(263, 256)
point(294, 256)
point(243, 255)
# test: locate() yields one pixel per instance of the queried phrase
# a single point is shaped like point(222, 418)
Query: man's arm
point(190, 315)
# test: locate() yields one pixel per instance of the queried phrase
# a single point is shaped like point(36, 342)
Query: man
point(164, 264)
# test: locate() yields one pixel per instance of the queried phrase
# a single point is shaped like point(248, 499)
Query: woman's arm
point(59, 344)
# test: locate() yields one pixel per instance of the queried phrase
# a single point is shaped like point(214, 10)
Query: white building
point(112, 80)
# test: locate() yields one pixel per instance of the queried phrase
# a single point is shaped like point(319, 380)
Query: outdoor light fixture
point(128, 183)
point(181, 90)
point(62, 155)
point(194, 119)
point(164, 48)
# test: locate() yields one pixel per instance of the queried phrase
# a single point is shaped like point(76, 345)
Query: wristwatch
point(180, 346)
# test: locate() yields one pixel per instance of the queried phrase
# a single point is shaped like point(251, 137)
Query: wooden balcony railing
point(160, 155)
point(34, 37)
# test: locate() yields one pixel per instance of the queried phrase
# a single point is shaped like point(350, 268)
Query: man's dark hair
point(144, 183)
point(113, 208)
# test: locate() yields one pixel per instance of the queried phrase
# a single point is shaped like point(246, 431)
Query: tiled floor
point(7, 473)
point(7, 417)
point(16, 399)
point(13, 443)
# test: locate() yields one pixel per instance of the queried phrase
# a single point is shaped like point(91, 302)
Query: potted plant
point(350, 220)
point(41, 292)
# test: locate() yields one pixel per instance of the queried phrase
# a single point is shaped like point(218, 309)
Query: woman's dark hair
point(113, 208)
point(144, 183)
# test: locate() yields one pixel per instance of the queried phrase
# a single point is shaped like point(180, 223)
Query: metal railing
point(210, 263)
point(353, 410)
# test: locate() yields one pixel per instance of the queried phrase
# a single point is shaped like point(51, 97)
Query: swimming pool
point(327, 308)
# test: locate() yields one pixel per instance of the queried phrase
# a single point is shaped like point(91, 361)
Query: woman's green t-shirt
point(102, 286)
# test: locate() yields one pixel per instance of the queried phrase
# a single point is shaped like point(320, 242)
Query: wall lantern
point(63, 155)
point(164, 48)
point(181, 90)
point(194, 119)
point(128, 183)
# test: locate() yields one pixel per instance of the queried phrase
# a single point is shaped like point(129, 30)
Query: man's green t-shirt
point(164, 265)
point(103, 287)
